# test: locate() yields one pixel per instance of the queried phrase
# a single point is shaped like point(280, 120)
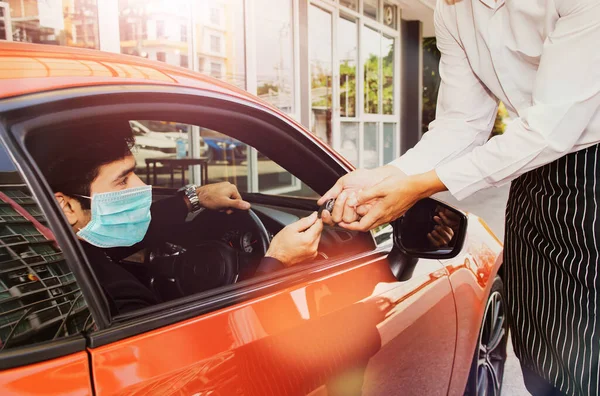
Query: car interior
point(214, 249)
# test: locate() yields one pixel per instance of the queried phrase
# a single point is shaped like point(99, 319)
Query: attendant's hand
point(394, 195)
point(347, 187)
point(221, 196)
point(297, 242)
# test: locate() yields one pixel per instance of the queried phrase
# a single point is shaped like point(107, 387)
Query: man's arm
point(566, 97)
point(465, 112)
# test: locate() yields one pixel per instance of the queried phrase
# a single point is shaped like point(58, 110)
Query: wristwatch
point(190, 191)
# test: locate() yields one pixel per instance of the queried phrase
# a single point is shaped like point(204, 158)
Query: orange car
point(384, 313)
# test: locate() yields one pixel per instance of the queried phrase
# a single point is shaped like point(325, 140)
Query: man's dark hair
point(70, 158)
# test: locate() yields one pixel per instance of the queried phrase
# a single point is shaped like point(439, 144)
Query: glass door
point(5, 23)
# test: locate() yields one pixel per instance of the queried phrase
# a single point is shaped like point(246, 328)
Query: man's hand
point(221, 196)
point(347, 187)
point(297, 242)
point(394, 195)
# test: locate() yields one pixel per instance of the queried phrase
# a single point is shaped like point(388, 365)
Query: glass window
point(389, 143)
point(320, 38)
point(348, 53)
point(39, 296)
point(3, 22)
point(349, 144)
point(215, 70)
point(274, 53)
point(215, 17)
point(72, 23)
point(371, 57)
point(352, 4)
point(226, 159)
point(183, 60)
point(388, 74)
point(370, 152)
point(160, 29)
point(215, 44)
point(184, 33)
point(371, 8)
point(154, 30)
point(221, 40)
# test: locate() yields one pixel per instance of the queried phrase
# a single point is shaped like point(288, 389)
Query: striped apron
point(552, 265)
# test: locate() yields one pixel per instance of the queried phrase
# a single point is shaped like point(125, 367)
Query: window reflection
point(371, 56)
point(73, 23)
point(274, 53)
point(371, 8)
point(388, 75)
point(349, 145)
point(154, 30)
point(347, 50)
point(389, 140)
point(370, 152)
point(320, 28)
point(220, 40)
point(352, 4)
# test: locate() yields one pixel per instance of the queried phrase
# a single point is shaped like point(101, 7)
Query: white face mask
point(119, 218)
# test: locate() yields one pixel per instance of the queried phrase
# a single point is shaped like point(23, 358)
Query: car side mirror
point(430, 229)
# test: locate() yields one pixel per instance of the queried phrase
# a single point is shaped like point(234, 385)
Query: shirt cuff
point(268, 265)
point(462, 177)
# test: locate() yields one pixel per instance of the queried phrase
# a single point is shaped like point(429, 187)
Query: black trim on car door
point(40, 352)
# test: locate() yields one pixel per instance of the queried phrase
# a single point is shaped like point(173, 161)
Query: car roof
point(32, 68)
point(35, 68)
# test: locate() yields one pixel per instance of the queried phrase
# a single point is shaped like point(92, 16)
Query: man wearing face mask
point(111, 210)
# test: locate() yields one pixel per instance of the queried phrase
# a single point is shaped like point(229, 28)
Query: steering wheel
point(204, 261)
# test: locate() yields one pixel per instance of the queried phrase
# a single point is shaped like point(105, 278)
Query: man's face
point(115, 176)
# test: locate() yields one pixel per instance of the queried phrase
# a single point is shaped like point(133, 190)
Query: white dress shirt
point(541, 58)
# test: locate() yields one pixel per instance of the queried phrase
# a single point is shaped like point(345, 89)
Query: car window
point(40, 299)
point(163, 150)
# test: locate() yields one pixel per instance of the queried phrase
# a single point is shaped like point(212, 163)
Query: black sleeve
point(268, 265)
point(166, 214)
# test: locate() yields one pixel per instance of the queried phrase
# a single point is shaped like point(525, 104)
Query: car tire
point(487, 368)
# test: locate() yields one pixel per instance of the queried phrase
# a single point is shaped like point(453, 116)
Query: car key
point(328, 206)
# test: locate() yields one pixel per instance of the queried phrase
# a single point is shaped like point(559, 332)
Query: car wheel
point(487, 369)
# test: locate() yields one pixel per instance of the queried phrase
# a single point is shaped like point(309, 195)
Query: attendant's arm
point(566, 98)
point(465, 111)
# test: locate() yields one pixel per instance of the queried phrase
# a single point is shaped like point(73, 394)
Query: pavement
point(490, 205)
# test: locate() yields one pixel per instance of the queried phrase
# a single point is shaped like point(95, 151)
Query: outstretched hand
point(345, 190)
point(297, 242)
point(391, 198)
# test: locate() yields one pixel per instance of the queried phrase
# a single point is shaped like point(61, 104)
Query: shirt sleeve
point(566, 97)
point(268, 265)
point(465, 112)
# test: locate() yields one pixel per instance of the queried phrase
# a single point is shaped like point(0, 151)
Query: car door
point(42, 309)
point(345, 325)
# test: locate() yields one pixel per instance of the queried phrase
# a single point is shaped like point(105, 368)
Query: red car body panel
point(358, 325)
point(354, 326)
point(69, 375)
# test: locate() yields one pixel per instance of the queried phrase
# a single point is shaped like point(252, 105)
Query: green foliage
point(431, 80)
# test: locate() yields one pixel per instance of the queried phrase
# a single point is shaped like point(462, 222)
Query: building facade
point(343, 68)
